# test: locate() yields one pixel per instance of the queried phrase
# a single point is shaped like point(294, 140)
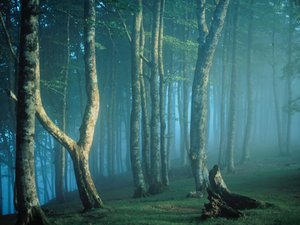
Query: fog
point(267, 54)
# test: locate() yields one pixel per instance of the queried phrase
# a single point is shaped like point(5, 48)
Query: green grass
point(276, 180)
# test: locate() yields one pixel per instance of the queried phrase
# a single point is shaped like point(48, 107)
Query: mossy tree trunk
point(135, 125)
point(199, 106)
point(29, 211)
point(80, 150)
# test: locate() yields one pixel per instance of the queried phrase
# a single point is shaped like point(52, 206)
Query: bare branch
point(8, 39)
point(124, 26)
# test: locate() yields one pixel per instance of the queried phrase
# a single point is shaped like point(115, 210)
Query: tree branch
point(8, 39)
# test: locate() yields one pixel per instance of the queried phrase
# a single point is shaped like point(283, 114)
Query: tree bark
point(136, 165)
point(29, 211)
point(145, 117)
point(155, 183)
point(207, 46)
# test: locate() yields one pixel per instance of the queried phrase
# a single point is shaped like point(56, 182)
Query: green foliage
point(177, 44)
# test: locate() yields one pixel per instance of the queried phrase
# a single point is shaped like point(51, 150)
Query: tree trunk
point(80, 150)
point(246, 151)
point(221, 156)
point(223, 203)
point(155, 183)
point(60, 169)
point(207, 46)
point(289, 78)
point(275, 97)
point(145, 116)
point(29, 211)
point(232, 104)
point(163, 149)
point(136, 166)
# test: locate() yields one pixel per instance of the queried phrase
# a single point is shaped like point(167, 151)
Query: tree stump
point(223, 203)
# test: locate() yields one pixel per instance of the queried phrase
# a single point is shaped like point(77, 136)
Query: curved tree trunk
point(207, 45)
point(136, 166)
point(29, 211)
point(80, 150)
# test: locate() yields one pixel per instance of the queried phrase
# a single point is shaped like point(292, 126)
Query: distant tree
point(60, 162)
point(232, 101)
point(136, 165)
point(246, 151)
point(208, 40)
point(29, 211)
point(80, 150)
point(162, 102)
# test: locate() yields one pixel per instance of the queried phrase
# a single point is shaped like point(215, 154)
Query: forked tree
point(80, 150)
point(208, 40)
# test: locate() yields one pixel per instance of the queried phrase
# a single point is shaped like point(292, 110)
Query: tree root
point(32, 216)
point(223, 203)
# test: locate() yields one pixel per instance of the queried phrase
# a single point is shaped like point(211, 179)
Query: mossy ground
point(275, 180)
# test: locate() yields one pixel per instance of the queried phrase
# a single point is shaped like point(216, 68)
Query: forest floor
point(272, 179)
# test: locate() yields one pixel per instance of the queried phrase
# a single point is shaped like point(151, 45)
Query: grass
point(275, 180)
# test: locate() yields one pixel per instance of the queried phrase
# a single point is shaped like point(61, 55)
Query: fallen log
point(224, 203)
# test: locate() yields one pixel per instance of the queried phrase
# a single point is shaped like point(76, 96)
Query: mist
point(177, 96)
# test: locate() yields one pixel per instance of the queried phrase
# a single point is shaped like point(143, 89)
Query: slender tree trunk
point(275, 96)
point(289, 79)
point(221, 157)
point(207, 45)
point(60, 170)
point(232, 106)
point(171, 114)
point(155, 185)
point(29, 211)
point(145, 116)
point(246, 150)
point(136, 165)
point(163, 149)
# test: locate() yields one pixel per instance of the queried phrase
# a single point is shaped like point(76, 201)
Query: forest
point(150, 112)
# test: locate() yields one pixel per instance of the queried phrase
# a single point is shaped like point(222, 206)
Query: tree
point(208, 40)
point(162, 102)
point(246, 152)
point(155, 183)
point(232, 104)
point(29, 211)
point(138, 176)
point(80, 150)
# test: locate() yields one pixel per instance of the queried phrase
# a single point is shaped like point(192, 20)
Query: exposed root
point(32, 216)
